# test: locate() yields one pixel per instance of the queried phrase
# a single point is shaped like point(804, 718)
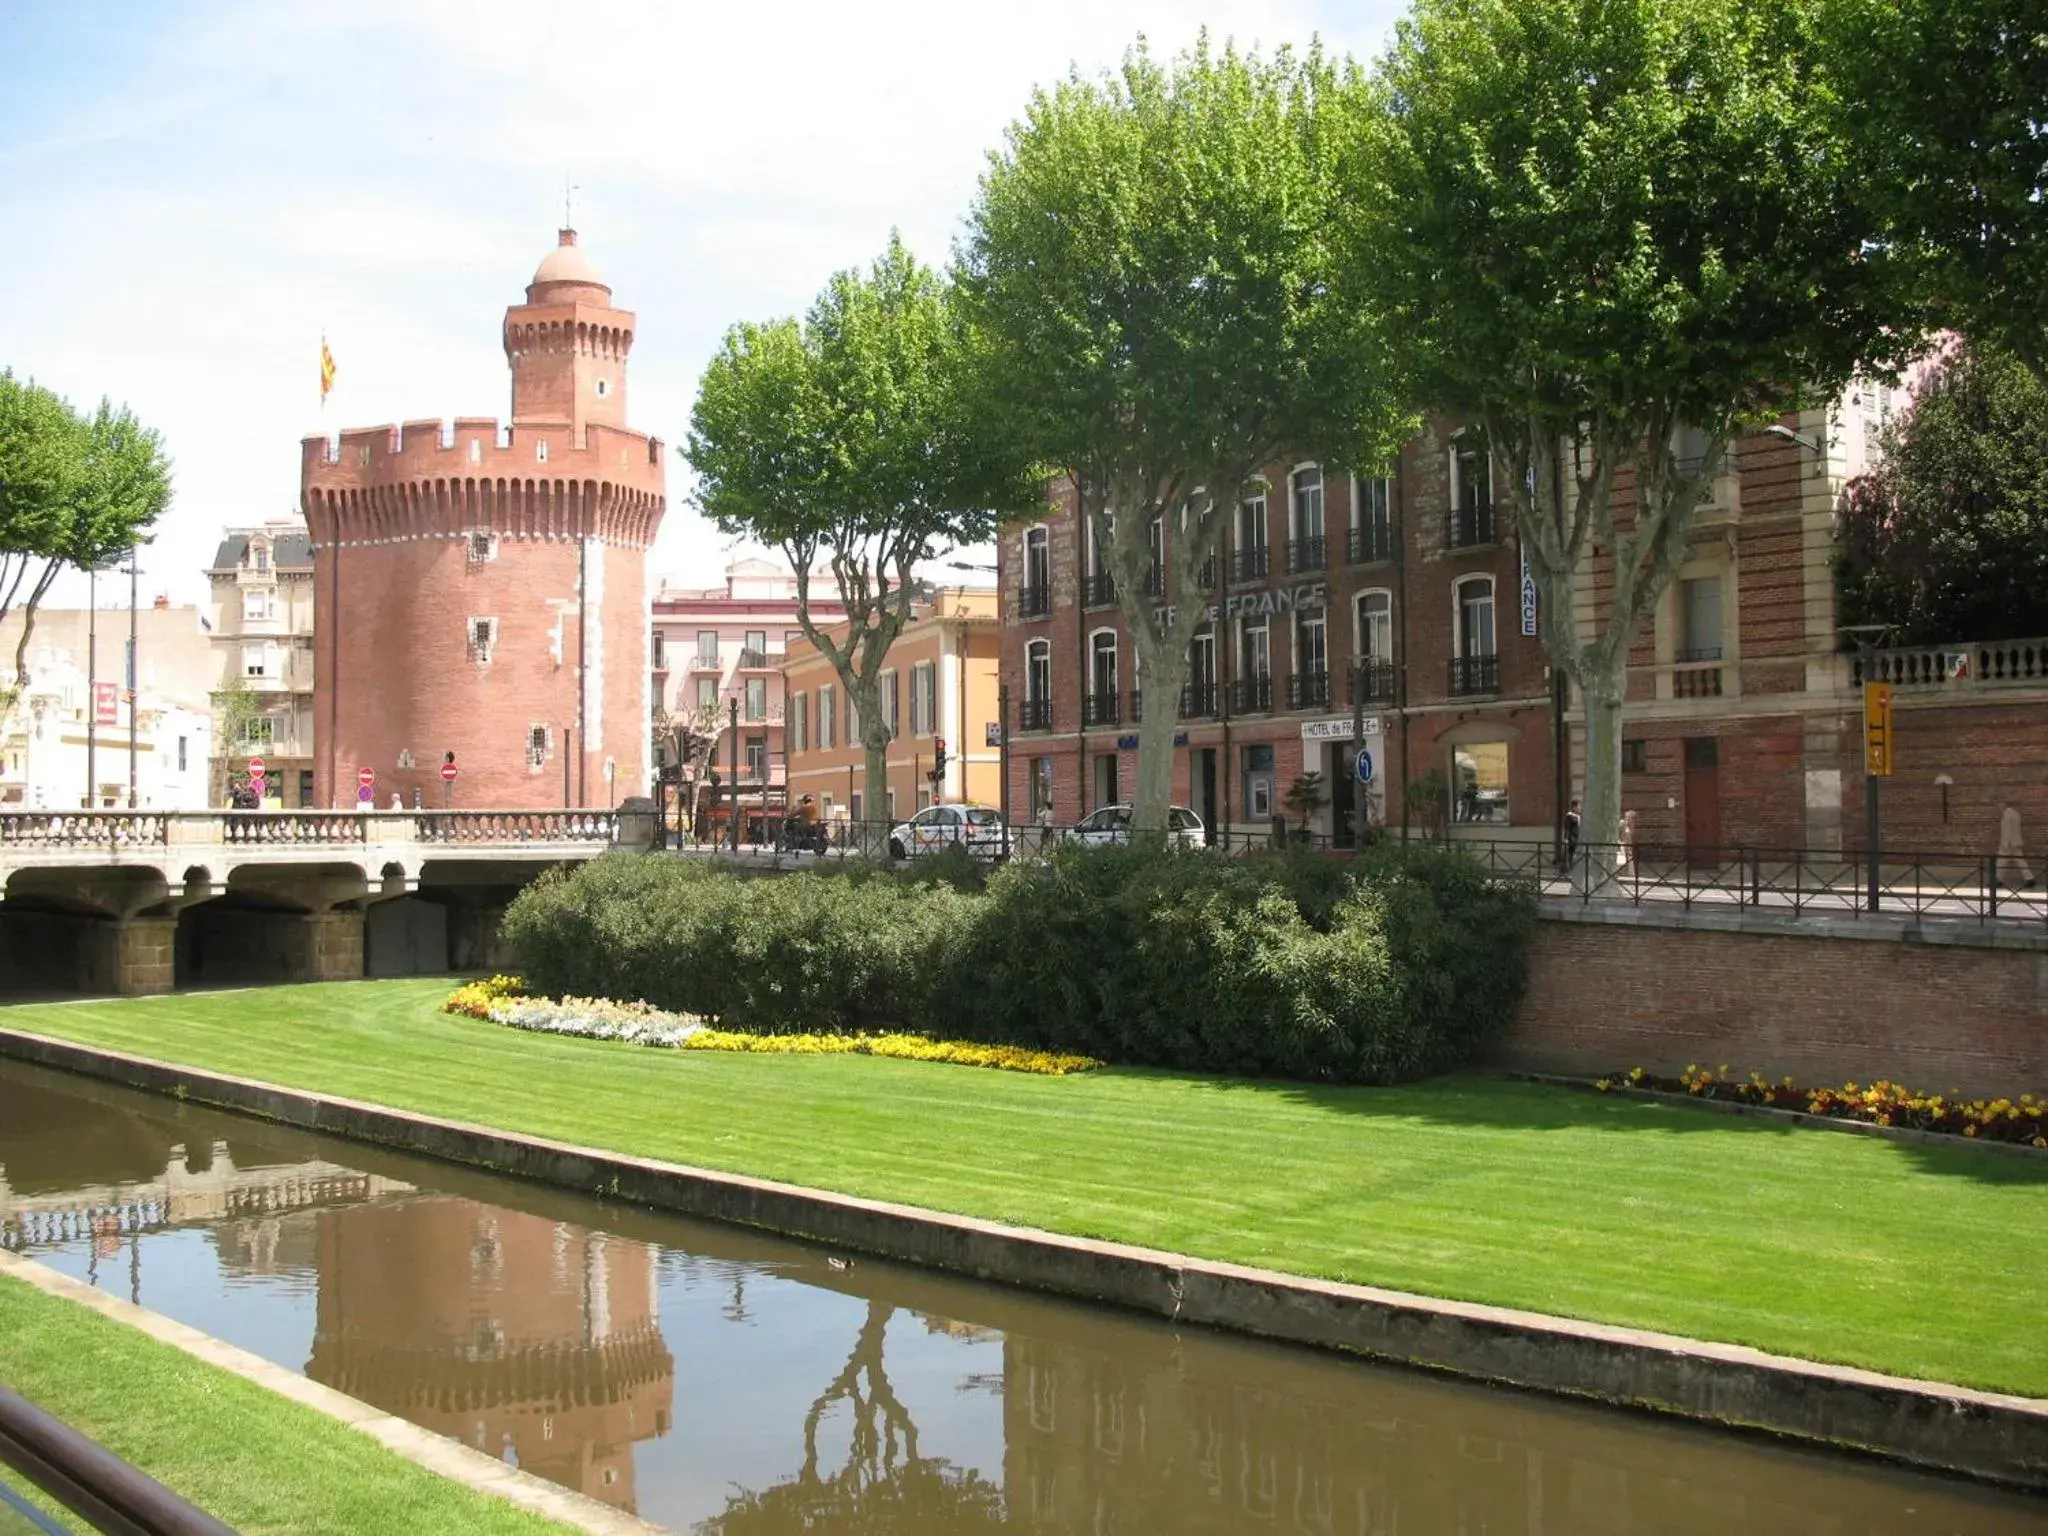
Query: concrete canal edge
point(1989, 1436)
point(436, 1453)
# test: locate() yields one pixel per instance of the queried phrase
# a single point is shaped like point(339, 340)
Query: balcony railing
point(1099, 590)
point(1206, 577)
point(1155, 581)
point(1100, 708)
point(1696, 680)
point(1310, 554)
point(1252, 695)
point(1374, 542)
point(1198, 701)
point(1248, 564)
point(1966, 666)
point(1474, 675)
point(1034, 715)
point(1472, 526)
point(1034, 602)
point(1372, 682)
point(756, 661)
point(1308, 690)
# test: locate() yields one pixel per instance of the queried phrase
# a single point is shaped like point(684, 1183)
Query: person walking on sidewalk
point(2013, 869)
point(1570, 853)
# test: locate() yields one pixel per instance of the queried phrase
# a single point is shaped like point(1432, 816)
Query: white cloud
point(189, 214)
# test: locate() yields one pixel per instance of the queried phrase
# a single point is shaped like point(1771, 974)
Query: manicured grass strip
point(249, 1457)
point(1921, 1261)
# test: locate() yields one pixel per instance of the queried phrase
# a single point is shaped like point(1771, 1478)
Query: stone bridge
point(136, 902)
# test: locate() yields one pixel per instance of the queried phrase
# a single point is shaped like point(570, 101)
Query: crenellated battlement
point(435, 480)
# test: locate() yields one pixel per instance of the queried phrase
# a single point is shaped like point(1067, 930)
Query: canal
point(721, 1382)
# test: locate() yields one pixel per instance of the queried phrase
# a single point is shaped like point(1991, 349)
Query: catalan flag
point(326, 370)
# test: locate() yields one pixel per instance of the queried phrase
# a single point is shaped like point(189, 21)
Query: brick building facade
point(481, 590)
point(1405, 590)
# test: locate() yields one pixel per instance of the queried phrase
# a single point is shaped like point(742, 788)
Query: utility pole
point(134, 576)
point(1003, 760)
point(92, 686)
point(733, 758)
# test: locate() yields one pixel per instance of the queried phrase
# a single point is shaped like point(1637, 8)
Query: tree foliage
point(850, 437)
point(1946, 106)
point(1613, 233)
point(74, 491)
point(1150, 260)
point(1947, 537)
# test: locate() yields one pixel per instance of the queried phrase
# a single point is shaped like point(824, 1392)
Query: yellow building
point(938, 684)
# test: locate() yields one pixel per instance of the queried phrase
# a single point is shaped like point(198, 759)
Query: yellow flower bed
point(2023, 1120)
point(476, 999)
point(1004, 1058)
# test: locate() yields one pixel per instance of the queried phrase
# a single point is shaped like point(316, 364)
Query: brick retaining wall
point(1821, 1001)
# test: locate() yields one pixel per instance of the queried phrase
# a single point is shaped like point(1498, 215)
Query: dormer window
point(262, 555)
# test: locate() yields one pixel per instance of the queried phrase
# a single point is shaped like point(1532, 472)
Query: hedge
point(1394, 966)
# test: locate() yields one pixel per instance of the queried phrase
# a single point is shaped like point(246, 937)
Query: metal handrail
point(90, 1480)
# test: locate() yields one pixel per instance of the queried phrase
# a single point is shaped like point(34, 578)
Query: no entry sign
point(447, 773)
point(366, 777)
point(255, 767)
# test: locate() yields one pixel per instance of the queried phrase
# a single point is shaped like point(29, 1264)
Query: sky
point(192, 194)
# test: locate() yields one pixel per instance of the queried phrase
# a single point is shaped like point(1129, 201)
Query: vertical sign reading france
point(1528, 595)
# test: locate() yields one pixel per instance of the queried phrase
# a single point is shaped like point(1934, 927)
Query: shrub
point(1391, 967)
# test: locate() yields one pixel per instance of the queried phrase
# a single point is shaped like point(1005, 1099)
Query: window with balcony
point(1475, 667)
point(707, 647)
point(1699, 619)
point(1372, 519)
point(757, 642)
point(1254, 688)
point(260, 731)
point(924, 698)
point(1472, 522)
point(757, 698)
point(259, 552)
point(1309, 687)
point(707, 693)
point(1099, 704)
point(259, 603)
point(757, 758)
point(828, 718)
point(1037, 704)
point(1098, 589)
point(1306, 550)
point(1198, 699)
point(1248, 561)
point(1155, 573)
point(1372, 675)
point(1035, 596)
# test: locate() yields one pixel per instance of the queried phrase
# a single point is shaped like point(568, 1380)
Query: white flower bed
point(596, 1018)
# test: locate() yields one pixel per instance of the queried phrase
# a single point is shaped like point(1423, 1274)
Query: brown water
point(717, 1381)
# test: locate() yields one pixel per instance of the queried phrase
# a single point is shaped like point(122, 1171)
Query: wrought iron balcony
point(1472, 675)
point(1372, 681)
point(1308, 690)
point(1472, 526)
point(1100, 708)
point(1099, 590)
point(1155, 581)
point(1372, 543)
point(1248, 564)
point(1310, 554)
point(1198, 701)
point(1034, 715)
point(1034, 602)
point(1207, 575)
point(1252, 695)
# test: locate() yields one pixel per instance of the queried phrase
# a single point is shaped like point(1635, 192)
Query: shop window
point(1479, 779)
point(1258, 781)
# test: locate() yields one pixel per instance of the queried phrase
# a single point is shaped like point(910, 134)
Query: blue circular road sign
point(1365, 767)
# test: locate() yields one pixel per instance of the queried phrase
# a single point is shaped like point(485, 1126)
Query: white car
point(1112, 824)
point(976, 827)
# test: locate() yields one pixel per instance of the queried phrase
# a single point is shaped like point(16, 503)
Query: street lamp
point(1775, 429)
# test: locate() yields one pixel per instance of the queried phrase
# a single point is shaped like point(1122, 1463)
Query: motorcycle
point(797, 836)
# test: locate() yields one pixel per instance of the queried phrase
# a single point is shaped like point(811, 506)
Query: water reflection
point(819, 1396)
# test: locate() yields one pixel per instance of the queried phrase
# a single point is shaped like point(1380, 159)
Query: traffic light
point(938, 756)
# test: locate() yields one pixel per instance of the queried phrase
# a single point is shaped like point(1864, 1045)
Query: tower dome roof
point(566, 263)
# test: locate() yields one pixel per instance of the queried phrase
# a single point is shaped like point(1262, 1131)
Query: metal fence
point(101, 1489)
point(1966, 887)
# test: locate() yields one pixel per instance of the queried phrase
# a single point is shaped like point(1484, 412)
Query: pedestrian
point(2013, 869)
point(397, 800)
point(1625, 855)
point(1571, 838)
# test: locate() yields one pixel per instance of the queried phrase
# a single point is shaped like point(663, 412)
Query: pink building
point(717, 653)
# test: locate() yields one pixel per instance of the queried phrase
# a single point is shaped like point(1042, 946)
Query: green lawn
point(258, 1461)
point(1917, 1260)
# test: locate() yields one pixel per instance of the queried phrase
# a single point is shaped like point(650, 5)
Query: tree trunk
point(1164, 668)
point(1600, 707)
point(28, 623)
point(874, 740)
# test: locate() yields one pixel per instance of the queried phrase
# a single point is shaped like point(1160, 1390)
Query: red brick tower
point(482, 590)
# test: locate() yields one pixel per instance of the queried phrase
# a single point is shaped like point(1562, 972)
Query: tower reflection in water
point(529, 1339)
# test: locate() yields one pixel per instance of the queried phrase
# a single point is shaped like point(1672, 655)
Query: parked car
point(1112, 824)
point(977, 827)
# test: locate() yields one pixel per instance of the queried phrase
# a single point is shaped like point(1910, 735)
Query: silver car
point(1112, 824)
point(976, 827)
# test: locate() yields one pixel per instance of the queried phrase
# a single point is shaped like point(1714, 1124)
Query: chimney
point(162, 603)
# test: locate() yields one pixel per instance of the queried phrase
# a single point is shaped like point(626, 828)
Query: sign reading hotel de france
point(1309, 597)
